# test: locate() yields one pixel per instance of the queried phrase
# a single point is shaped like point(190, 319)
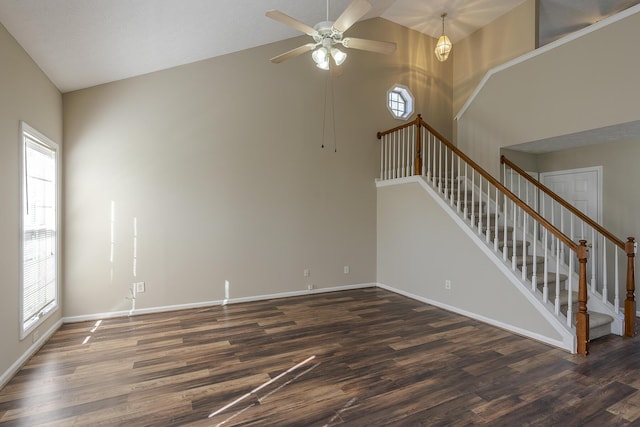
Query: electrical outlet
point(346, 269)
point(447, 284)
point(310, 286)
point(306, 272)
point(139, 287)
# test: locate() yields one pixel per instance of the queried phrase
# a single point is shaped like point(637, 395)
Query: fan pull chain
point(324, 109)
point(329, 83)
point(333, 115)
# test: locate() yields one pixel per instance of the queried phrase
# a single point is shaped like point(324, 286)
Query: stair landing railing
point(415, 148)
point(606, 249)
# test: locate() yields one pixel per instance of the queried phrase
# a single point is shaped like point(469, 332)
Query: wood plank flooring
point(364, 357)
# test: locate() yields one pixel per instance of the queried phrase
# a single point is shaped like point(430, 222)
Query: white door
point(581, 188)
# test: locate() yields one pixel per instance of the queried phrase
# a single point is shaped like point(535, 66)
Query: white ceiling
point(83, 43)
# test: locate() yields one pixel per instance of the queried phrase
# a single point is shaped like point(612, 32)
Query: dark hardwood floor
point(360, 358)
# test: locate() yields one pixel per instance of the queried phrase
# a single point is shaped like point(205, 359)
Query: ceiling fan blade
point(293, 53)
point(370, 45)
point(356, 10)
point(334, 69)
point(291, 22)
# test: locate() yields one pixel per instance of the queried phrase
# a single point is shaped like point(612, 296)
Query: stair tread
point(510, 243)
point(551, 280)
point(564, 299)
point(596, 319)
point(529, 261)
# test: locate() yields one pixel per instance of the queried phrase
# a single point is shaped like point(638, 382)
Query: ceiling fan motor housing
point(326, 35)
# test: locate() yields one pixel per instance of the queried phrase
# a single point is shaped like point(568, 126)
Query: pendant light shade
point(443, 47)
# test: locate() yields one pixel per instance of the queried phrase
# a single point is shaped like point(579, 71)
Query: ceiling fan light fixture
point(319, 55)
point(444, 45)
point(338, 55)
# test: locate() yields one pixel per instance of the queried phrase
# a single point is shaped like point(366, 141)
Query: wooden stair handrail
point(416, 122)
point(581, 250)
point(559, 234)
point(628, 246)
point(564, 203)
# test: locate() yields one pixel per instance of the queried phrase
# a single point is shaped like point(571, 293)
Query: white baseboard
point(13, 369)
point(568, 346)
point(161, 309)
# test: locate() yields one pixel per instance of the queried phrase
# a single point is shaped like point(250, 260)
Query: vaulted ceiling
point(82, 43)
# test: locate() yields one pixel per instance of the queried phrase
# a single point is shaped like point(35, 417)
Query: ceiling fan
point(328, 35)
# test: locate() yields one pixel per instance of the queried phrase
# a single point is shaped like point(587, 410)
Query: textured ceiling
point(82, 43)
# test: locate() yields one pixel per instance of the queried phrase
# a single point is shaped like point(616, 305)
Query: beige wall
point(220, 164)
point(620, 177)
point(25, 94)
point(571, 88)
point(507, 37)
point(420, 246)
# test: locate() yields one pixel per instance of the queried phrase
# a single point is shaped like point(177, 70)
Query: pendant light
point(443, 47)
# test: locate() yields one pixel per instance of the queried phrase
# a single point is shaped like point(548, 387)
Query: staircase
point(551, 265)
point(600, 324)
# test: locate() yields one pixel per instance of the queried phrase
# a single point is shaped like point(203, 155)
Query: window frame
point(29, 133)
point(404, 93)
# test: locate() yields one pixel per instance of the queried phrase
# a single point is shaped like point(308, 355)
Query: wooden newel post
point(582, 317)
point(418, 158)
point(630, 301)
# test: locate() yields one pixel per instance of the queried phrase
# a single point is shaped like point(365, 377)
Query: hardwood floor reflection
point(364, 357)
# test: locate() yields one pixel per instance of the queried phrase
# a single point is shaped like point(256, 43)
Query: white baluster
point(557, 303)
point(545, 268)
point(562, 229)
point(520, 212)
point(403, 154)
point(425, 155)
point(386, 157)
point(393, 150)
point(616, 294)
point(488, 219)
point(439, 166)
point(605, 275)
point(569, 292)
point(382, 158)
point(616, 276)
point(594, 258)
point(480, 204)
point(451, 175)
point(458, 184)
point(435, 157)
point(526, 194)
point(495, 219)
point(504, 174)
point(411, 152)
point(553, 241)
point(390, 156)
point(571, 230)
point(534, 265)
point(465, 210)
point(514, 245)
point(511, 183)
point(447, 194)
point(473, 198)
point(524, 245)
point(505, 209)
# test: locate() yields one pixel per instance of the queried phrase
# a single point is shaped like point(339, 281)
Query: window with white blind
point(39, 242)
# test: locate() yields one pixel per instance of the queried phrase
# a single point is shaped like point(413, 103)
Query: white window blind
point(39, 228)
